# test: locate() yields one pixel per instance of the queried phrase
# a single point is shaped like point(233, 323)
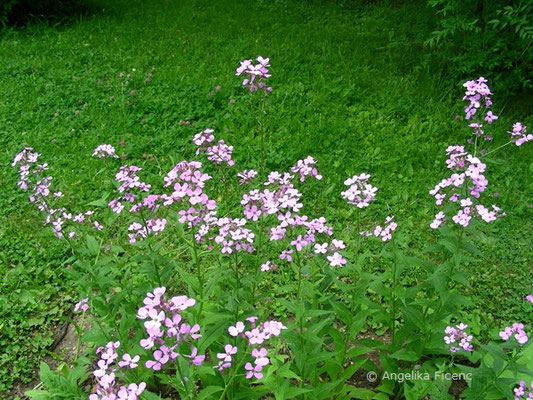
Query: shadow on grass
point(17, 14)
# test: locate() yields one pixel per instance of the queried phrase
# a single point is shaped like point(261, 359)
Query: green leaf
point(405, 355)
point(208, 392)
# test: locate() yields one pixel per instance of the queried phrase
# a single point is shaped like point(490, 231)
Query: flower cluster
point(188, 182)
point(255, 74)
point(519, 135)
point(31, 177)
point(104, 150)
point(107, 387)
point(164, 321)
point(385, 232)
point(463, 187)
point(311, 228)
point(226, 358)
point(82, 305)
point(256, 335)
point(478, 94)
point(218, 153)
point(139, 231)
point(458, 337)
point(360, 193)
point(131, 187)
point(233, 236)
point(522, 392)
point(517, 331)
point(530, 298)
point(284, 197)
point(202, 139)
point(268, 266)
point(246, 176)
point(305, 168)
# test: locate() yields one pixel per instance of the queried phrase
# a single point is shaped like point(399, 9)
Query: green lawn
point(350, 89)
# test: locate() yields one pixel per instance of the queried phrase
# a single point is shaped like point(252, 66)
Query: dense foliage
point(485, 36)
point(217, 339)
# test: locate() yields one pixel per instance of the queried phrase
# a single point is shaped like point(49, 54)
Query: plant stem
point(257, 270)
point(199, 275)
point(298, 263)
point(234, 373)
point(498, 148)
point(151, 250)
point(183, 381)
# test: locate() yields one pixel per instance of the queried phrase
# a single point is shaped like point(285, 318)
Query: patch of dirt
point(63, 351)
point(362, 379)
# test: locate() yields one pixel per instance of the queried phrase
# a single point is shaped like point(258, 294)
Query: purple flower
point(246, 176)
point(360, 193)
point(385, 232)
point(227, 356)
point(522, 392)
point(458, 339)
point(516, 331)
point(108, 385)
point(253, 371)
point(286, 255)
point(255, 74)
point(468, 171)
point(237, 329)
point(128, 361)
point(519, 135)
point(82, 305)
point(306, 168)
point(164, 321)
point(104, 150)
point(336, 260)
point(260, 357)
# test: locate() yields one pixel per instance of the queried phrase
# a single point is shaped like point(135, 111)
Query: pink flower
point(286, 255)
point(246, 176)
point(458, 337)
point(336, 260)
point(235, 330)
point(306, 168)
point(360, 193)
point(519, 334)
point(519, 135)
point(128, 361)
point(104, 150)
point(256, 74)
point(82, 305)
point(229, 351)
point(268, 266)
point(260, 357)
point(160, 359)
point(321, 248)
point(195, 358)
point(253, 371)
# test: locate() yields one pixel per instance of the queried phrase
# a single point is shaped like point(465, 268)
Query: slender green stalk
point(151, 250)
point(234, 373)
point(299, 265)
point(498, 148)
point(199, 274)
point(183, 381)
point(257, 269)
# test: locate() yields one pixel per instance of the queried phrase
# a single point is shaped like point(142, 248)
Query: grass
point(350, 89)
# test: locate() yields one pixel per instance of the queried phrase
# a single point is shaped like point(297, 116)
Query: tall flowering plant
point(276, 299)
